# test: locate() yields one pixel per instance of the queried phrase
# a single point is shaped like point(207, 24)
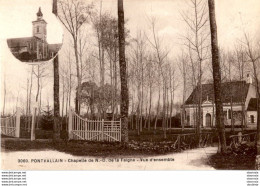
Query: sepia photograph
point(43, 35)
point(130, 85)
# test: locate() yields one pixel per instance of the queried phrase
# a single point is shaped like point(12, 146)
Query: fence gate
point(93, 130)
point(10, 126)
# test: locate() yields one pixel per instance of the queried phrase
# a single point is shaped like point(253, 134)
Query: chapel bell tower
point(39, 26)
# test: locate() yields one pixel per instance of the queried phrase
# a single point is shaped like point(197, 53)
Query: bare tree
point(30, 91)
point(39, 73)
point(123, 72)
point(183, 67)
point(106, 31)
point(73, 14)
point(217, 77)
point(240, 65)
point(56, 88)
point(150, 70)
point(253, 55)
point(196, 41)
point(138, 58)
point(172, 87)
point(161, 55)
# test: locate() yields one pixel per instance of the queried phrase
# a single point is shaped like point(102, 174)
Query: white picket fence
point(10, 126)
point(93, 130)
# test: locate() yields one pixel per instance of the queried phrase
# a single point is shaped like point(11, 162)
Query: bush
point(47, 120)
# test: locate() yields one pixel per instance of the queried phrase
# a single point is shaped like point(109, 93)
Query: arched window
point(252, 119)
point(208, 120)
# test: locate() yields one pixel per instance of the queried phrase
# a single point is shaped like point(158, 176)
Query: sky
point(16, 17)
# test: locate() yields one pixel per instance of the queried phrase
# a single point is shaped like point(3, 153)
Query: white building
point(238, 96)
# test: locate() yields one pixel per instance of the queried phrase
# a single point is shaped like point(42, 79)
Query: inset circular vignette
point(45, 40)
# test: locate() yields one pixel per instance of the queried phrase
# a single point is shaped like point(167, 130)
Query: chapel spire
point(39, 13)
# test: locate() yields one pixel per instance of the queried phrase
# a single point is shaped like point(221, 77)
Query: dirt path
point(195, 159)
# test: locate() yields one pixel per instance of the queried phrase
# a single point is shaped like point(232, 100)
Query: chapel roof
point(54, 47)
point(237, 90)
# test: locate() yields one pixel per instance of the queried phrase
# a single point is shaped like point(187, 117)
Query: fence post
point(70, 123)
point(102, 128)
point(17, 124)
point(120, 130)
point(179, 142)
point(33, 124)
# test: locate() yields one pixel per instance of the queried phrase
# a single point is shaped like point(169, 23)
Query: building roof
point(237, 90)
point(54, 47)
point(20, 42)
point(252, 106)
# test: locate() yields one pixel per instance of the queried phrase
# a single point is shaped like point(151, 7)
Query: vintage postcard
point(130, 84)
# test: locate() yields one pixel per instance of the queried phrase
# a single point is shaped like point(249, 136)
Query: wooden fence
point(93, 130)
point(240, 138)
point(10, 126)
point(188, 141)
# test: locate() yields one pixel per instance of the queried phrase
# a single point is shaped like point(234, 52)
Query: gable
point(252, 106)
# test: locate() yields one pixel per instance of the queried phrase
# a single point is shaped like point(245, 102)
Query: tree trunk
point(78, 92)
point(56, 102)
point(123, 76)
point(30, 92)
point(217, 77)
point(150, 107)
point(37, 96)
point(62, 102)
point(158, 109)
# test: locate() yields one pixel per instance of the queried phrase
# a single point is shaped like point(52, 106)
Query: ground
point(196, 159)
point(148, 145)
point(240, 158)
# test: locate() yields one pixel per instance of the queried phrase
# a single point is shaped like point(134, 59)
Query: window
point(188, 120)
point(208, 120)
point(38, 29)
point(252, 119)
point(228, 114)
